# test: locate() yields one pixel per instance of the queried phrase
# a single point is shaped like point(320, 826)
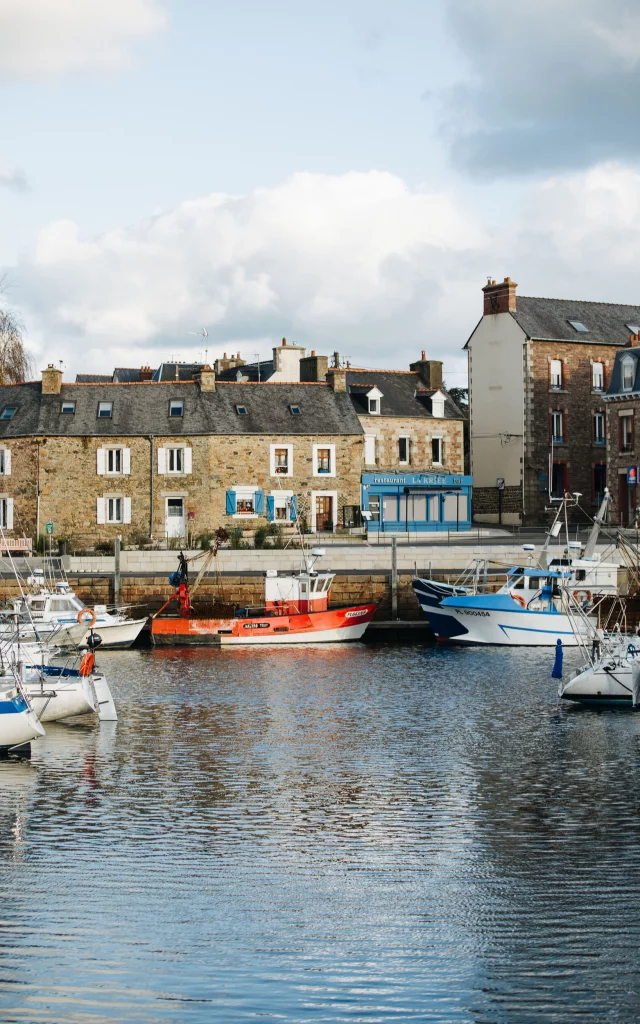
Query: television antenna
point(204, 334)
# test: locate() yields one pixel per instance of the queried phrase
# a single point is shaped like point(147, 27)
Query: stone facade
point(624, 496)
point(70, 485)
point(388, 431)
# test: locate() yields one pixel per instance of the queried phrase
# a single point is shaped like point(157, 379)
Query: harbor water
point(350, 833)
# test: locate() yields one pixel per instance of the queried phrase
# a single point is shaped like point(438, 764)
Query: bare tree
point(16, 365)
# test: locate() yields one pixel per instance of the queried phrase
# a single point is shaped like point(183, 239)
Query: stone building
point(622, 402)
point(538, 371)
point(155, 459)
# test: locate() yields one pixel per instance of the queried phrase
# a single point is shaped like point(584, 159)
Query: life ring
point(91, 612)
point(87, 663)
point(585, 598)
point(520, 600)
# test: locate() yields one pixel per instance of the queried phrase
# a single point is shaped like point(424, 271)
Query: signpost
point(49, 528)
point(500, 489)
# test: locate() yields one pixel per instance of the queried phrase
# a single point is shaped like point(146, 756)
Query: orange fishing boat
point(295, 611)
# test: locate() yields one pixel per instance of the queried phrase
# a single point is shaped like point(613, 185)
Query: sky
point(345, 174)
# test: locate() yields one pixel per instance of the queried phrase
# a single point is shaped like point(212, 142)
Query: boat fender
point(519, 600)
point(87, 663)
point(582, 596)
point(89, 611)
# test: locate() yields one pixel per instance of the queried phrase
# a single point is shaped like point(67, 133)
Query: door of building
point(324, 512)
point(175, 517)
point(626, 500)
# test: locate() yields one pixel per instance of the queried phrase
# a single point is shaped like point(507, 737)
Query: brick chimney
point(51, 380)
point(146, 373)
point(430, 371)
point(499, 298)
point(634, 340)
point(337, 379)
point(207, 379)
point(228, 362)
point(314, 367)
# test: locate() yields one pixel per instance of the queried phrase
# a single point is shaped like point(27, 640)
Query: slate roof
point(249, 370)
point(93, 378)
point(404, 394)
point(548, 319)
point(615, 384)
point(143, 409)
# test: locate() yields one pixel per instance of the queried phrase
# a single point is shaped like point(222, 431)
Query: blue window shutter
point(271, 508)
point(259, 503)
point(231, 503)
point(293, 508)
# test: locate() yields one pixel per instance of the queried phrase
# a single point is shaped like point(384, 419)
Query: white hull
point(319, 636)
point(18, 727)
point(118, 634)
point(608, 683)
point(517, 628)
point(61, 698)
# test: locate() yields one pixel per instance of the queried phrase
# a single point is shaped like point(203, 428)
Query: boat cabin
point(304, 592)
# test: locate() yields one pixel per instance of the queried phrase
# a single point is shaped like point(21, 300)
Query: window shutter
point(188, 460)
point(100, 463)
point(259, 500)
point(162, 460)
point(9, 513)
point(126, 510)
point(293, 508)
point(231, 503)
point(7, 462)
point(126, 461)
point(100, 511)
point(370, 449)
point(271, 508)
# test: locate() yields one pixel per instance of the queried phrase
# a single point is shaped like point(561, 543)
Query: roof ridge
point(583, 302)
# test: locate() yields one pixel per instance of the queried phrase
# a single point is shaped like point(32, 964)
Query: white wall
point(286, 362)
point(496, 394)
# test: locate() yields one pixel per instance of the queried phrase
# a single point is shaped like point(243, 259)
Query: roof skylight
point(241, 410)
point(578, 326)
point(295, 410)
point(8, 412)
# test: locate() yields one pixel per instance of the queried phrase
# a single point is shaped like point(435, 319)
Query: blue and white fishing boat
point(535, 606)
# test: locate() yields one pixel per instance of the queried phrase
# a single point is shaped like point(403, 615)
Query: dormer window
point(105, 410)
point(8, 412)
point(628, 373)
point(633, 328)
point(241, 410)
point(437, 405)
point(373, 401)
point(176, 407)
point(578, 326)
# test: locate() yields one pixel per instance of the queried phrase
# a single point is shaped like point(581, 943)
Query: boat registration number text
point(474, 611)
point(356, 615)
point(256, 625)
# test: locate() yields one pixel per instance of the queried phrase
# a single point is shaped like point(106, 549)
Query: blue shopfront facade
point(415, 502)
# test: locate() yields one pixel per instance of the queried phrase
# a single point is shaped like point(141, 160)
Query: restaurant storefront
point(415, 502)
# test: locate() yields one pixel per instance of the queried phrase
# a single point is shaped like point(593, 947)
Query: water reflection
point(330, 834)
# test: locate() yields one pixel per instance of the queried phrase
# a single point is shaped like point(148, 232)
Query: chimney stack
point(430, 371)
point(51, 380)
point(634, 340)
point(207, 379)
point(314, 367)
point(337, 379)
point(145, 373)
point(499, 298)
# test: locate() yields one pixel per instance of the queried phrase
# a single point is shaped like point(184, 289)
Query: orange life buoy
point(586, 598)
point(87, 663)
point(85, 611)
point(520, 600)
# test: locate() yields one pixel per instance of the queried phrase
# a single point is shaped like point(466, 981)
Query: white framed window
point(175, 460)
point(113, 508)
point(437, 454)
point(370, 449)
point(557, 427)
point(68, 408)
point(105, 410)
point(281, 505)
point(374, 397)
point(5, 462)
point(597, 376)
point(555, 374)
point(245, 502)
point(598, 428)
point(324, 460)
point(437, 405)
point(404, 451)
point(6, 513)
point(113, 460)
point(176, 407)
point(281, 459)
point(628, 373)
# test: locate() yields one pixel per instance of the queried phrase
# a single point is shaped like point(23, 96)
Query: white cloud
point(12, 177)
point(42, 38)
point(359, 262)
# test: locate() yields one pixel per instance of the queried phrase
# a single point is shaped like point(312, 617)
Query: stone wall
point(70, 484)
point(578, 402)
point(389, 429)
point(485, 505)
point(619, 462)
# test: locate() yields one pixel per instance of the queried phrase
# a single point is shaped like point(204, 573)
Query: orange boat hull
point(329, 626)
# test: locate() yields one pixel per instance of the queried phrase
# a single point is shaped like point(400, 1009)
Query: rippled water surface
point(346, 833)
